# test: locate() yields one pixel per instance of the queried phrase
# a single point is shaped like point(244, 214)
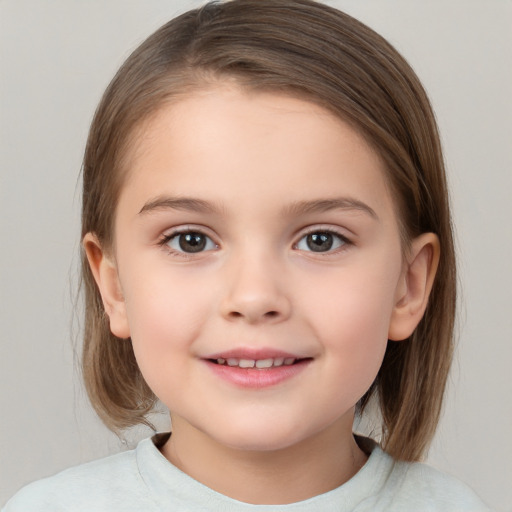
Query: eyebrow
point(190, 204)
point(325, 205)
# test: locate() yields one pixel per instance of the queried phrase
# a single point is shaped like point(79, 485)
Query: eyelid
point(171, 233)
point(325, 228)
point(322, 228)
point(187, 228)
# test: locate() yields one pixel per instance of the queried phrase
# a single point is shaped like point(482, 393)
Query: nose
point(255, 292)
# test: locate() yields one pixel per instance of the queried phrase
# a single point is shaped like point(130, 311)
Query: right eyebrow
point(190, 204)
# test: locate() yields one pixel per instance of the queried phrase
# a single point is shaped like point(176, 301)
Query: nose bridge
point(255, 290)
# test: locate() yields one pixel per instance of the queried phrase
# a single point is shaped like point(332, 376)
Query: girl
point(267, 250)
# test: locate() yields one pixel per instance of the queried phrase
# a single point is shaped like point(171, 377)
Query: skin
point(252, 163)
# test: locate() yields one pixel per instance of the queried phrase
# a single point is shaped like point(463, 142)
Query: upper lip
point(253, 354)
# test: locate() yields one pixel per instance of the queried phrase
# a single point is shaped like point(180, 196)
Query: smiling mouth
point(248, 369)
point(260, 364)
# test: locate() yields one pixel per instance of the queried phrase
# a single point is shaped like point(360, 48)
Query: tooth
point(232, 361)
point(221, 361)
point(278, 361)
point(264, 363)
point(289, 361)
point(246, 363)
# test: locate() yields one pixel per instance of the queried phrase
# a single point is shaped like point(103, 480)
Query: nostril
point(254, 313)
point(268, 314)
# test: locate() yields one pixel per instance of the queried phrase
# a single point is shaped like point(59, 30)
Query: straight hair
point(312, 51)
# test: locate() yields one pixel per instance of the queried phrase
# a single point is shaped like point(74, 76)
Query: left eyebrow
point(325, 205)
point(190, 204)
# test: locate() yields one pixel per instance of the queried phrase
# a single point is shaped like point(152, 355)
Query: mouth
point(259, 364)
point(256, 369)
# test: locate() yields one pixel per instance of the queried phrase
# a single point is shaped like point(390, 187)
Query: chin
point(261, 438)
point(265, 444)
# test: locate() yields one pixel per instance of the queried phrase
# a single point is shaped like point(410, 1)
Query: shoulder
point(99, 485)
point(419, 487)
point(397, 486)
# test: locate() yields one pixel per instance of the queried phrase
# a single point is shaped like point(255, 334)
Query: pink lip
point(252, 353)
point(256, 378)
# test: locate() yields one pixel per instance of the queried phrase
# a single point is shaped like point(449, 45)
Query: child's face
point(256, 226)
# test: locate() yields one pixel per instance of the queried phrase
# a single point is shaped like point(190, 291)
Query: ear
point(105, 274)
point(414, 287)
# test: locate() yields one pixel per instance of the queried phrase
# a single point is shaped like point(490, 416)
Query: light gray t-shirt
point(144, 480)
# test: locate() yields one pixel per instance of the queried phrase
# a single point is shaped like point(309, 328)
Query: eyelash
point(165, 239)
point(345, 242)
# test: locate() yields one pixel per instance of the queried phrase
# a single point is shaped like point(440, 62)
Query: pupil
point(192, 242)
point(320, 242)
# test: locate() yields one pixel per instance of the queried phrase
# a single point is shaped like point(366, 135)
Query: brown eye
point(191, 242)
point(321, 241)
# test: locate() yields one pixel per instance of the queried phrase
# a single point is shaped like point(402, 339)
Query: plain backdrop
point(56, 58)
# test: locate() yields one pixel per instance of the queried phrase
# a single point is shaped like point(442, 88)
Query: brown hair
point(318, 53)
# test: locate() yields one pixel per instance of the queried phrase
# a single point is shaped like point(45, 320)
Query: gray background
point(57, 56)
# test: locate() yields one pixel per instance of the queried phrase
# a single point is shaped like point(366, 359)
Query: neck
point(288, 475)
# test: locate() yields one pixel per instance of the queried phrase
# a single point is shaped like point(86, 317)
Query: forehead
point(223, 140)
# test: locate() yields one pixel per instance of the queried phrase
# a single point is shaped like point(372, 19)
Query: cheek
point(165, 316)
point(358, 299)
point(351, 314)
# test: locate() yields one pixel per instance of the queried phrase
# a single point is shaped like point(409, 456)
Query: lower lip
point(257, 378)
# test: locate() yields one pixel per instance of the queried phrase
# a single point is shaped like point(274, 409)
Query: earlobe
point(105, 274)
point(415, 285)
